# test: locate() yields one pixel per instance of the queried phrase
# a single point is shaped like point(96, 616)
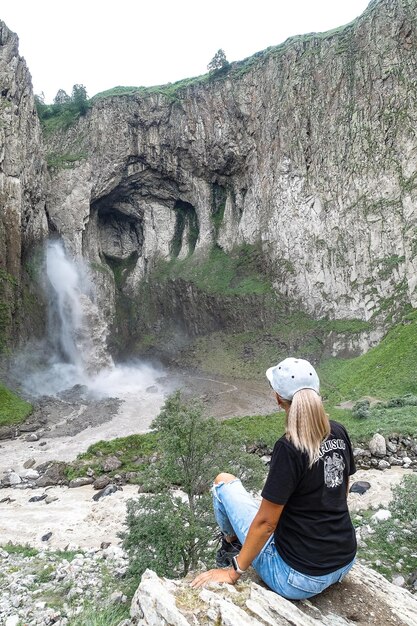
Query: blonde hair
point(307, 423)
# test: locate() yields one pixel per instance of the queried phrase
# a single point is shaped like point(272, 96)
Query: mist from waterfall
point(75, 349)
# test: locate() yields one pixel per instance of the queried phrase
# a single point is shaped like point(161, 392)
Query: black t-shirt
point(314, 535)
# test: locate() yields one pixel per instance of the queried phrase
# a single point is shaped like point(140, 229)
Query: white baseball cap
point(291, 375)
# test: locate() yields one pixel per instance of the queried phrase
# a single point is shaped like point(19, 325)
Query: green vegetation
point(121, 268)
point(186, 217)
point(13, 410)
point(8, 294)
point(219, 62)
point(97, 616)
point(388, 264)
point(44, 575)
point(247, 354)
point(170, 90)
point(385, 371)
point(382, 548)
point(23, 550)
point(218, 206)
point(64, 161)
point(236, 273)
point(188, 460)
point(65, 110)
point(133, 451)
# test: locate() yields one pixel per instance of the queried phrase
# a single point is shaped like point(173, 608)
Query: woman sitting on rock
point(300, 539)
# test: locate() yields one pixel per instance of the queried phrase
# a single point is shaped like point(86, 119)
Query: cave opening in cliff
point(120, 231)
point(186, 228)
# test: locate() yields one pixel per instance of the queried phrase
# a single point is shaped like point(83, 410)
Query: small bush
point(361, 409)
point(166, 535)
point(98, 616)
point(172, 533)
point(407, 400)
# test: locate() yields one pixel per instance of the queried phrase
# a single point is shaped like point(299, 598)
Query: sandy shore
point(77, 520)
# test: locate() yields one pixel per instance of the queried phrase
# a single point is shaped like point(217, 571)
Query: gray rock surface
point(377, 445)
point(363, 593)
point(23, 182)
point(308, 164)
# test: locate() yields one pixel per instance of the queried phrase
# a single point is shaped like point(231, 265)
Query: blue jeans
point(235, 509)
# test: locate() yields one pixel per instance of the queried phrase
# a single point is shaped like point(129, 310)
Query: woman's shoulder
point(337, 429)
point(285, 446)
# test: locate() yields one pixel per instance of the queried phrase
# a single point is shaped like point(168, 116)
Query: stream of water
point(72, 367)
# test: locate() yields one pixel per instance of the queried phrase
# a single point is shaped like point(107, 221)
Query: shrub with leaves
point(219, 62)
point(171, 532)
point(361, 409)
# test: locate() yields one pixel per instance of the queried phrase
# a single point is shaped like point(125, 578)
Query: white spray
point(77, 330)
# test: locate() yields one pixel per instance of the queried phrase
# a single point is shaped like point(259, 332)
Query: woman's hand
point(216, 576)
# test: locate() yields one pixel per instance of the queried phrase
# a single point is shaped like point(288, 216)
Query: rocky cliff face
point(307, 149)
point(23, 221)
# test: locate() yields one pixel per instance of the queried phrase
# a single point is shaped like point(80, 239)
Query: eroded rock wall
point(311, 149)
point(23, 185)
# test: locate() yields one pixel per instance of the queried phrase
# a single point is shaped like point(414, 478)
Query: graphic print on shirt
point(333, 470)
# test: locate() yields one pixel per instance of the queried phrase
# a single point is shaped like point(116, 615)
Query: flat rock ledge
point(363, 598)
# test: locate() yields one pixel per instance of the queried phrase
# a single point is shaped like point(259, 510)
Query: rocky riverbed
point(77, 557)
point(74, 518)
point(61, 427)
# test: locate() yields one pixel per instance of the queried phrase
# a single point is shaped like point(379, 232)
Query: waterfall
point(76, 329)
point(74, 353)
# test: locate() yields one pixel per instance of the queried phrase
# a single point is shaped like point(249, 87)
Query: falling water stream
point(75, 350)
point(85, 397)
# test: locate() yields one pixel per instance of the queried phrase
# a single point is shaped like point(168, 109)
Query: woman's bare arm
point(262, 527)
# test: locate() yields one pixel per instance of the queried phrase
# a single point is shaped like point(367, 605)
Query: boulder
point(54, 474)
point(29, 474)
point(101, 482)
point(107, 491)
point(111, 463)
point(11, 479)
point(80, 481)
point(46, 537)
point(38, 498)
point(50, 499)
point(382, 515)
point(7, 432)
point(383, 464)
point(377, 445)
point(29, 427)
point(363, 597)
point(360, 486)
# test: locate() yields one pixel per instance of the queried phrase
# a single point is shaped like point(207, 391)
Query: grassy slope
point(236, 273)
point(389, 369)
point(13, 410)
point(386, 371)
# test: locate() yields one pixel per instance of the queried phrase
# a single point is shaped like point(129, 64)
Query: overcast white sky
point(103, 43)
